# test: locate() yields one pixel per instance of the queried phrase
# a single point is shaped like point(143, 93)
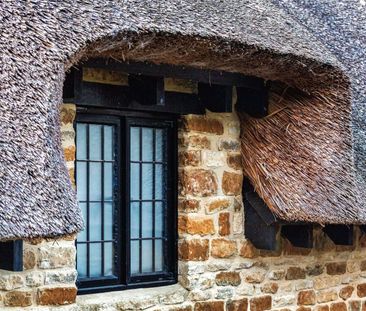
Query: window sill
point(135, 299)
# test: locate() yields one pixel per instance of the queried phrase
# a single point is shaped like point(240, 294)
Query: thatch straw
point(299, 157)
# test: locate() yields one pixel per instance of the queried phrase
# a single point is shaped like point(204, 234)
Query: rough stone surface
point(361, 290)
point(224, 224)
point(336, 268)
point(237, 305)
point(198, 182)
point(209, 306)
point(196, 225)
point(338, 306)
point(306, 297)
point(18, 299)
point(346, 292)
point(261, 303)
point(196, 250)
point(56, 296)
point(295, 273)
point(228, 278)
point(232, 183)
point(203, 124)
point(222, 248)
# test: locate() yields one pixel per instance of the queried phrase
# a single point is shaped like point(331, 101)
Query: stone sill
point(136, 299)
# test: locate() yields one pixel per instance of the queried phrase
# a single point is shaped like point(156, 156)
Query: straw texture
point(41, 39)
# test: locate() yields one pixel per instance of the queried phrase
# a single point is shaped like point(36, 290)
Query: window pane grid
point(148, 156)
point(98, 250)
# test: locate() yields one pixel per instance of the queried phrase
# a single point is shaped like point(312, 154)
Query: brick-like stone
point(314, 269)
point(232, 183)
point(361, 290)
point(50, 257)
point(338, 306)
point(354, 305)
point(276, 275)
point(195, 250)
point(306, 297)
point(56, 296)
point(346, 292)
point(188, 206)
point(198, 182)
point(190, 158)
point(186, 308)
point(302, 308)
point(234, 160)
point(195, 141)
point(69, 153)
point(18, 299)
point(327, 295)
point(224, 224)
point(363, 265)
point(336, 268)
point(195, 225)
point(269, 288)
point(255, 276)
point(228, 278)
point(67, 113)
point(213, 158)
point(261, 303)
point(247, 250)
point(29, 260)
point(203, 124)
point(237, 305)
point(229, 144)
point(222, 248)
point(217, 205)
point(295, 273)
point(209, 306)
point(322, 308)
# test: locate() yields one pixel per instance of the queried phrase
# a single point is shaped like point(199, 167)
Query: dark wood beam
point(252, 101)
point(298, 235)
point(181, 72)
point(11, 255)
point(340, 234)
point(215, 97)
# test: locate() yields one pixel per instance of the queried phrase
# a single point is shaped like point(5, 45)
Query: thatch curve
point(42, 39)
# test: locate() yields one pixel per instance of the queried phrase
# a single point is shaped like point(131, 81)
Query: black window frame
point(124, 120)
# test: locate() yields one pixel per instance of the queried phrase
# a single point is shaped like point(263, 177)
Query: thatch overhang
point(42, 39)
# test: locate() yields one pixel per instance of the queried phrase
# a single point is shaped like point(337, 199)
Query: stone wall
point(219, 270)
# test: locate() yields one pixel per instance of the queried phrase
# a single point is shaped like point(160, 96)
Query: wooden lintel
point(298, 235)
point(252, 101)
point(181, 72)
point(11, 255)
point(216, 98)
point(340, 234)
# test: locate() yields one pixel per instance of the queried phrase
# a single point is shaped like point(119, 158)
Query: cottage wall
point(218, 268)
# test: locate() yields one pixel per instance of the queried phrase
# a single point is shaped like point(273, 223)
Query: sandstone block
point(188, 206)
point(361, 290)
point(322, 308)
point(336, 268)
point(327, 295)
point(354, 305)
point(196, 250)
point(234, 160)
point(29, 259)
point(338, 306)
point(195, 225)
point(56, 296)
point(190, 158)
point(237, 305)
point(295, 273)
point(198, 182)
point(261, 303)
point(217, 205)
point(222, 248)
point(232, 183)
point(224, 224)
point(203, 124)
point(269, 288)
point(228, 144)
point(209, 306)
point(346, 292)
point(18, 299)
point(228, 278)
point(213, 158)
point(195, 141)
point(306, 297)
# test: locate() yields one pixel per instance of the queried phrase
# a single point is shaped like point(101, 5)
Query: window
point(126, 187)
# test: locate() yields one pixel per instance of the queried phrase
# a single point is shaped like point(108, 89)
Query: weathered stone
point(51, 257)
point(229, 144)
point(217, 205)
point(196, 250)
point(67, 113)
point(203, 124)
point(195, 225)
point(237, 305)
point(346, 292)
point(213, 158)
point(276, 275)
point(188, 206)
point(56, 296)
point(234, 160)
point(255, 276)
point(327, 295)
point(361, 290)
point(338, 306)
point(238, 223)
point(302, 308)
point(209, 306)
point(60, 276)
point(353, 266)
point(199, 295)
point(283, 300)
point(306, 297)
point(232, 183)
point(363, 265)
point(198, 182)
point(304, 284)
point(190, 158)
point(238, 203)
point(336, 268)
point(224, 224)
point(29, 259)
point(295, 273)
point(228, 278)
point(314, 269)
point(11, 281)
point(261, 303)
point(34, 279)
point(18, 299)
point(269, 288)
point(224, 293)
point(326, 282)
point(186, 308)
point(195, 141)
point(222, 248)
point(247, 250)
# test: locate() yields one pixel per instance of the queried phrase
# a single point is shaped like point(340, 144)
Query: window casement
point(126, 186)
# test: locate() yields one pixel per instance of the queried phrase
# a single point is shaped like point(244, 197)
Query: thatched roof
point(41, 39)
